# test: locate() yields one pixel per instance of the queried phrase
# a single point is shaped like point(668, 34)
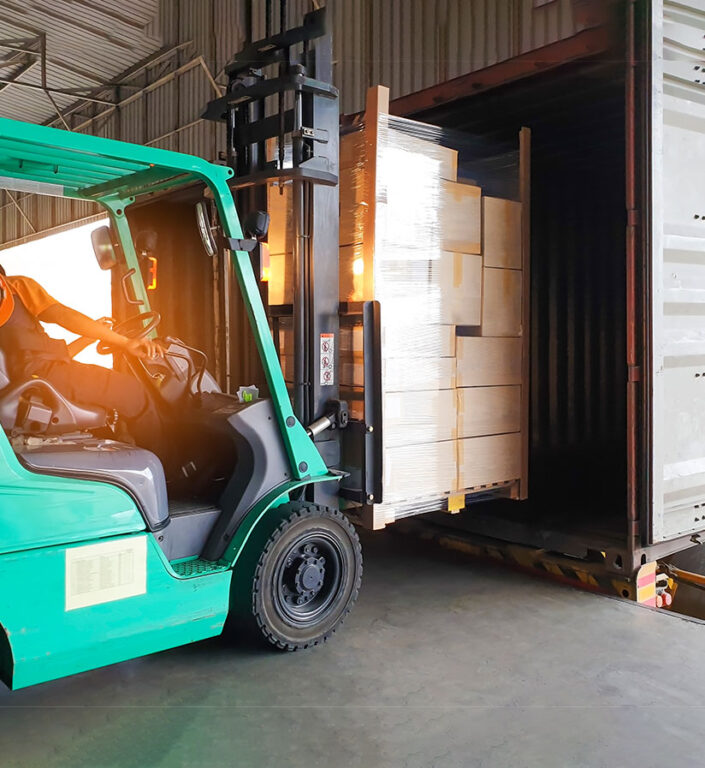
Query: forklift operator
point(30, 351)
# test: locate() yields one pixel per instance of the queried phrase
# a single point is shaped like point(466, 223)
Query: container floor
point(444, 662)
point(572, 526)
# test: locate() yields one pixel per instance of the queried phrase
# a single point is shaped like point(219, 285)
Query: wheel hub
point(304, 575)
point(310, 576)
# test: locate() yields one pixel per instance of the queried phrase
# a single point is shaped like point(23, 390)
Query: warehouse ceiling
point(54, 52)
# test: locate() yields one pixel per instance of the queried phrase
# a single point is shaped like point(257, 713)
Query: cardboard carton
point(488, 410)
point(280, 237)
point(281, 278)
point(419, 417)
point(489, 460)
point(415, 374)
point(460, 211)
point(483, 362)
point(501, 302)
point(460, 281)
point(501, 233)
point(428, 470)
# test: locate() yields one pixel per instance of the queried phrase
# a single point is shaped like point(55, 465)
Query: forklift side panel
point(262, 465)
point(56, 627)
point(42, 511)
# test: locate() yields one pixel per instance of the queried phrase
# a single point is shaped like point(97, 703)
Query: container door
point(678, 267)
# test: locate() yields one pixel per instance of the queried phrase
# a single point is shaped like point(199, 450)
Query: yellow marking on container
point(525, 558)
point(553, 568)
point(645, 593)
point(587, 578)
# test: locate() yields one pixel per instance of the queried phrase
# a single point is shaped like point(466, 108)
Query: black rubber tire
point(258, 574)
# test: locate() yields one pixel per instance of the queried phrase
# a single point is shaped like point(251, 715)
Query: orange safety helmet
point(7, 301)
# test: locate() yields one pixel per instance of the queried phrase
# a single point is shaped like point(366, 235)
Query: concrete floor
point(445, 662)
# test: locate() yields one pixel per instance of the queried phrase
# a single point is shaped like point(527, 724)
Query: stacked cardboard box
point(410, 237)
point(438, 256)
point(489, 365)
point(281, 243)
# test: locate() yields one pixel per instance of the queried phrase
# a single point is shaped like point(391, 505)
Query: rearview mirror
point(104, 248)
point(205, 230)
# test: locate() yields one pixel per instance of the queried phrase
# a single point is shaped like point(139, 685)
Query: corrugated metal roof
point(405, 44)
point(88, 43)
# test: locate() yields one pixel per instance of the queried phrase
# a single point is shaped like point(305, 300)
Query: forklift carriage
point(107, 552)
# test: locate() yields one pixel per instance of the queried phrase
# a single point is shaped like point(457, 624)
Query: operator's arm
point(76, 322)
point(78, 345)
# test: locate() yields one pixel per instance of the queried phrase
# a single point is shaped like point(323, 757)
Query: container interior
point(577, 480)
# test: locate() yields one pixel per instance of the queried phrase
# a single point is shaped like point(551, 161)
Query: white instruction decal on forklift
point(327, 359)
point(100, 573)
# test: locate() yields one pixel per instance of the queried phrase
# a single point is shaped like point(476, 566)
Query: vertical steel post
point(323, 221)
point(633, 360)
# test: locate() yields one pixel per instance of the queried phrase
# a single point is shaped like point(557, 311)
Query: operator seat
point(135, 470)
point(37, 407)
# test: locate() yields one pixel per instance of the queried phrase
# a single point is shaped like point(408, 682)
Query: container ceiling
point(88, 44)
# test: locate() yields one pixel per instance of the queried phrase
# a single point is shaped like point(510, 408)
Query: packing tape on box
point(457, 270)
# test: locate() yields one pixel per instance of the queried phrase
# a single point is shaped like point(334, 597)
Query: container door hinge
point(634, 373)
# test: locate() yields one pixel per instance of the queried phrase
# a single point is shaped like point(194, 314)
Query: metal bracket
point(316, 134)
point(248, 245)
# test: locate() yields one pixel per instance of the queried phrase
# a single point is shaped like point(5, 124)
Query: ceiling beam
point(19, 209)
point(589, 42)
point(56, 91)
point(22, 70)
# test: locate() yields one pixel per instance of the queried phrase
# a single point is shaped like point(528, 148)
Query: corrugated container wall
point(413, 44)
point(405, 44)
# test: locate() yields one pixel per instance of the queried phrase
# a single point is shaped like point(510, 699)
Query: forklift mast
point(282, 115)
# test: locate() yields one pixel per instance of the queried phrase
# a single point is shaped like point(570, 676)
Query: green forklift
point(103, 556)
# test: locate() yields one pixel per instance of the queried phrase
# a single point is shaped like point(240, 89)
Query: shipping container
point(617, 444)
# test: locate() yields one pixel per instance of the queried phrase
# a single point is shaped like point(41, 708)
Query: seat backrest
point(4, 376)
point(35, 406)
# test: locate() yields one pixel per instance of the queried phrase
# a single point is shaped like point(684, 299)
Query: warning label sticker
point(327, 359)
point(100, 573)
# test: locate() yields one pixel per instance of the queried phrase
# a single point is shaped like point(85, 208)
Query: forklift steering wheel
point(133, 328)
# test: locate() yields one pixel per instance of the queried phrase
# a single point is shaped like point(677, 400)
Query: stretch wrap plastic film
point(410, 239)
